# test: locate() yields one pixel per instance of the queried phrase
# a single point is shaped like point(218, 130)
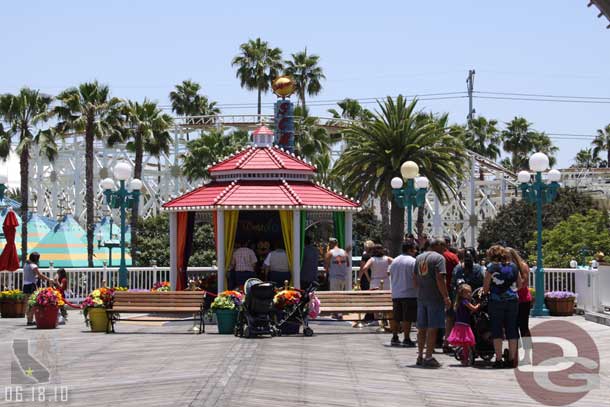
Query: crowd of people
point(432, 285)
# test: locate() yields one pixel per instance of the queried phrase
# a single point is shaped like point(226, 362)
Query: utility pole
point(470, 88)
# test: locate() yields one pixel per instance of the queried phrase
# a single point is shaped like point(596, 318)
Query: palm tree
point(375, 151)
point(211, 147)
point(306, 73)
point(147, 127)
point(187, 101)
point(521, 140)
point(586, 158)
point(602, 143)
point(311, 140)
point(257, 65)
point(24, 113)
point(351, 109)
point(89, 109)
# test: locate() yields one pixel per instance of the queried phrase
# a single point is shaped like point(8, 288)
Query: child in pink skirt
point(461, 334)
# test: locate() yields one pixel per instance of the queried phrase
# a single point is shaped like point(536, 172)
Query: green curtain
point(303, 226)
point(339, 221)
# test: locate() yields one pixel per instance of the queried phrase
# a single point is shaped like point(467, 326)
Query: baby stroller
point(481, 328)
point(299, 313)
point(254, 317)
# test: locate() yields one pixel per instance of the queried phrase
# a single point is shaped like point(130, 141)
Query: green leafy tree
point(311, 140)
point(351, 109)
point(601, 143)
point(579, 237)
point(483, 138)
point(88, 109)
point(375, 151)
point(25, 115)
point(520, 140)
point(257, 65)
point(307, 74)
point(366, 226)
point(211, 147)
point(145, 126)
point(187, 101)
point(515, 223)
point(586, 158)
point(154, 242)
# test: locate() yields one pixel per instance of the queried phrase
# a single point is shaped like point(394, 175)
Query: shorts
point(404, 309)
point(503, 318)
point(430, 315)
point(29, 288)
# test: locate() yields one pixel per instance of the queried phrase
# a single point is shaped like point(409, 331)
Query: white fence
point(592, 287)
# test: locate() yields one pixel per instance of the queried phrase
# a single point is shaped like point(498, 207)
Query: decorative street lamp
point(414, 194)
point(540, 193)
point(110, 244)
point(122, 199)
point(3, 187)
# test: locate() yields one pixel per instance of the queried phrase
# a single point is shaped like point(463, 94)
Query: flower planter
point(226, 320)
point(46, 317)
point(98, 319)
point(13, 308)
point(560, 307)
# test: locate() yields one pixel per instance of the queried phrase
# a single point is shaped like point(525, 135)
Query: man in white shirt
point(404, 294)
point(243, 263)
point(276, 265)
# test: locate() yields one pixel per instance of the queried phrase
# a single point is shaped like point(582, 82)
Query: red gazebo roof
point(280, 194)
point(262, 159)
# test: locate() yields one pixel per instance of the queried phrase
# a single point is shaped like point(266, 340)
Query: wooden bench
point(359, 303)
point(170, 302)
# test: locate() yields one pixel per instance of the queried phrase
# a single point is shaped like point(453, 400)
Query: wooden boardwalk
point(154, 364)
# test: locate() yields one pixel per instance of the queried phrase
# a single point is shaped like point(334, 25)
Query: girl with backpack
point(502, 282)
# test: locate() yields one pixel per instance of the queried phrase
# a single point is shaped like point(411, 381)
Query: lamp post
point(122, 199)
point(3, 187)
point(539, 192)
point(414, 194)
point(110, 244)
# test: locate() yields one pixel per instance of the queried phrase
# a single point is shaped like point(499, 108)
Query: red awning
point(261, 194)
point(262, 159)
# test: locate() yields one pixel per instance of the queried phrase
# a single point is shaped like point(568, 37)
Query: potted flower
point(283, 302)
point(226, 306)
point(162, 286)
point(560, 303)
point(12, 303)
point(46, 303)
point(94, 308)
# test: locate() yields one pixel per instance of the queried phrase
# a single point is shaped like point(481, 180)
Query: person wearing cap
point(336, 266)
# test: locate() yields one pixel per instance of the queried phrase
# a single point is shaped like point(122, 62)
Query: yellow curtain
point(286, 219)
point(231, 218)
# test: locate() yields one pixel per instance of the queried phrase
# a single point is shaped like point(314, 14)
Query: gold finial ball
point(283, 86)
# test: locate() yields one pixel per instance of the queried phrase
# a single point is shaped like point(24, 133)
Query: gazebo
point(263, 189)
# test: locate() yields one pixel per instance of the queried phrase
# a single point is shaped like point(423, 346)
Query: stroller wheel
point(471, 358)
point(308, 331)
point(458, 353)
point(487, 356)
point(247, 333)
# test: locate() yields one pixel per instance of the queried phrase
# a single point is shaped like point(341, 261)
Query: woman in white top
point(378, 265)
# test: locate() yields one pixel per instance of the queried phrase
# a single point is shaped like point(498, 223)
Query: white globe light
point(135, 184)
point(122, 171)
point(409, 170)
point(554, 175)
point(523, 177)
point(396, 183)
point(107, 183)
point(421, 182)
point(3, 179)
point(539, 162)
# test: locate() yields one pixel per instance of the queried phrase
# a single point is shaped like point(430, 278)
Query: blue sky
point(368, 49)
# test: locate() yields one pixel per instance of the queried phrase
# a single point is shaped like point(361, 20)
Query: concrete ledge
point(598, 317)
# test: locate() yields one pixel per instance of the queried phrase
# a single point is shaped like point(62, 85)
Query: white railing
point(82, 280)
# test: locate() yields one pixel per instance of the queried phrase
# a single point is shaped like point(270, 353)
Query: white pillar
point(437, 224)
point(349, 243)
point(472, 219)
point(173, 244)
point(220, 247)
point(296, 249)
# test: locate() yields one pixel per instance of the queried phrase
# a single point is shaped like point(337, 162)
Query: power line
point(543, 95)
point(523, 99)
